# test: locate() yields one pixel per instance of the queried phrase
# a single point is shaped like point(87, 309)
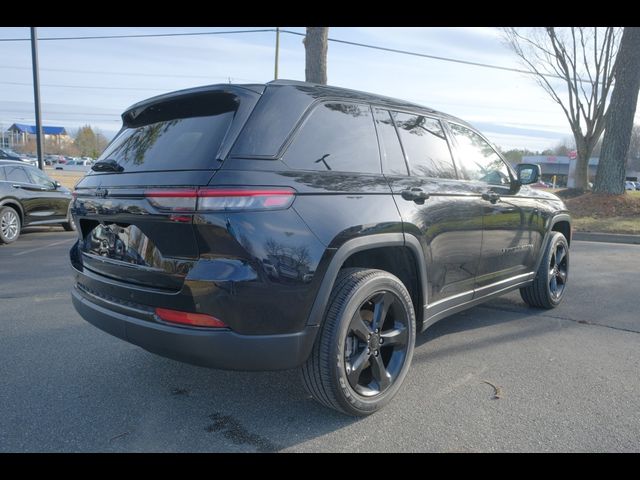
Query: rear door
point(135, 212)
point(435, 206)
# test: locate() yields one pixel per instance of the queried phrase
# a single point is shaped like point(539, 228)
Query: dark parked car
point(29, 197)
point(8, 154)
point(257, 227)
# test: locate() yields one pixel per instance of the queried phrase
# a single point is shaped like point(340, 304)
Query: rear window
point(181, 134)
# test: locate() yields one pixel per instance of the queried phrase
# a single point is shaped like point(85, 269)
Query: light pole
point(36, 95)
point(275, 74)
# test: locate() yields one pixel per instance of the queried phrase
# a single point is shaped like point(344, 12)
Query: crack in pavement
point(558, 317)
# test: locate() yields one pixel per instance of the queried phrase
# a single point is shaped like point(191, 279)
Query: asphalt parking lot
point(569, 378)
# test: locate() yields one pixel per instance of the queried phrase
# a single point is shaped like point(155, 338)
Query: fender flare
point(16, 202)
point(359, 244)
point(560, 217)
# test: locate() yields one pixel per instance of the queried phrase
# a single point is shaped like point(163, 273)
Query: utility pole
point(275, 74)
point(36, 95)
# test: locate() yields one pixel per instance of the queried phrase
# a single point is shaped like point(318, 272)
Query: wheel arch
point(562, 223)
point(558, 223)
point(15, 204)
point(377, 251)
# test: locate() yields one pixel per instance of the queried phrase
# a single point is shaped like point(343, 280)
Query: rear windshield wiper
point(108, 165)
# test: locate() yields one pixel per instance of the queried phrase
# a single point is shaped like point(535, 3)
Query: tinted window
point(40, 178)
point(8, 153)
point(338, 137)
point(16, 174)
point(392, 156)
point(275, 116)
point(425, 146)
point(171, 139)
point(478, 159)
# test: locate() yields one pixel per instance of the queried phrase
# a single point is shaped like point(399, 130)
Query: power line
point(53, 112)
point(291, 32)
point(137, 74)
point(142, 35)
point(93, 87)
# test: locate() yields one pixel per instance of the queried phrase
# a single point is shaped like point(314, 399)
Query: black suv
point(258, 227)
point(29, 197)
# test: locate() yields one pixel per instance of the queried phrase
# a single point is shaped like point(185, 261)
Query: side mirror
point(57, 184)
point(528, 173)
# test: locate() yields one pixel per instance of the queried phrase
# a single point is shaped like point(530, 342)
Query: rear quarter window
point(336, 136)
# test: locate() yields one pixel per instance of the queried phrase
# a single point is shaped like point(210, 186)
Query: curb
point(606, 237)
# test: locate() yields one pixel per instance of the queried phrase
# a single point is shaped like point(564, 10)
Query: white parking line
point(45, 246)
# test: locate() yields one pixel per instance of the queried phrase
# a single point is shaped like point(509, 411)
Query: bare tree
point(316, 45)
point(619, 120)
point(575, 67)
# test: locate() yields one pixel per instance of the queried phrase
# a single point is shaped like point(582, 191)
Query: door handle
point(16, 186)
point(416, 194)
point(492, 197)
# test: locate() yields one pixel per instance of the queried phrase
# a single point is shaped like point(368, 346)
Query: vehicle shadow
point(508, 311)
point(226, 411)
point(270, 411)
point(123, 399)
point(41, 229)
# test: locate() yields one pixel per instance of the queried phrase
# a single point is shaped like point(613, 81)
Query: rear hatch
point(135, 210)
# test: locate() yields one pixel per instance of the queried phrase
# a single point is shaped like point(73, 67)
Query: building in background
point(19, 135)
point(558, 166)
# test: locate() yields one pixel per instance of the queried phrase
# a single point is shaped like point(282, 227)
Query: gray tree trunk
point(315, 45)
point(619, 120)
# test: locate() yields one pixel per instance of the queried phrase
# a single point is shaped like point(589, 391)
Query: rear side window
point(392, 157)
point(16, 174)
point(425, 146)
point(184, 135)
point(338, 137)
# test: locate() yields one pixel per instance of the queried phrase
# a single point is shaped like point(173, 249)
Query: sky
point(93, 81)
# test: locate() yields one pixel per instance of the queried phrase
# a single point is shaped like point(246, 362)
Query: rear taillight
point(175, 199)
point(221, 199)
point(190, 319)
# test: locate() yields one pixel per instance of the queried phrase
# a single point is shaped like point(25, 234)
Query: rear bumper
point(209, 348)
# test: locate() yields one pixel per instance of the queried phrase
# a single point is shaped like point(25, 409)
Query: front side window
point(478, 159)
point(16, 174)
point(40, 178)
point(336, 137)
point(425, 146)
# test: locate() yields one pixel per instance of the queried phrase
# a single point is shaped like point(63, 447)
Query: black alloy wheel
point(550, 284)
point(376, 344)
point(365, 344)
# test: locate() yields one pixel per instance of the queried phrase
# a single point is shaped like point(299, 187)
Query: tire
point(69, 225)
point(549, 286)
point(10, 225)
point(354, 368)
